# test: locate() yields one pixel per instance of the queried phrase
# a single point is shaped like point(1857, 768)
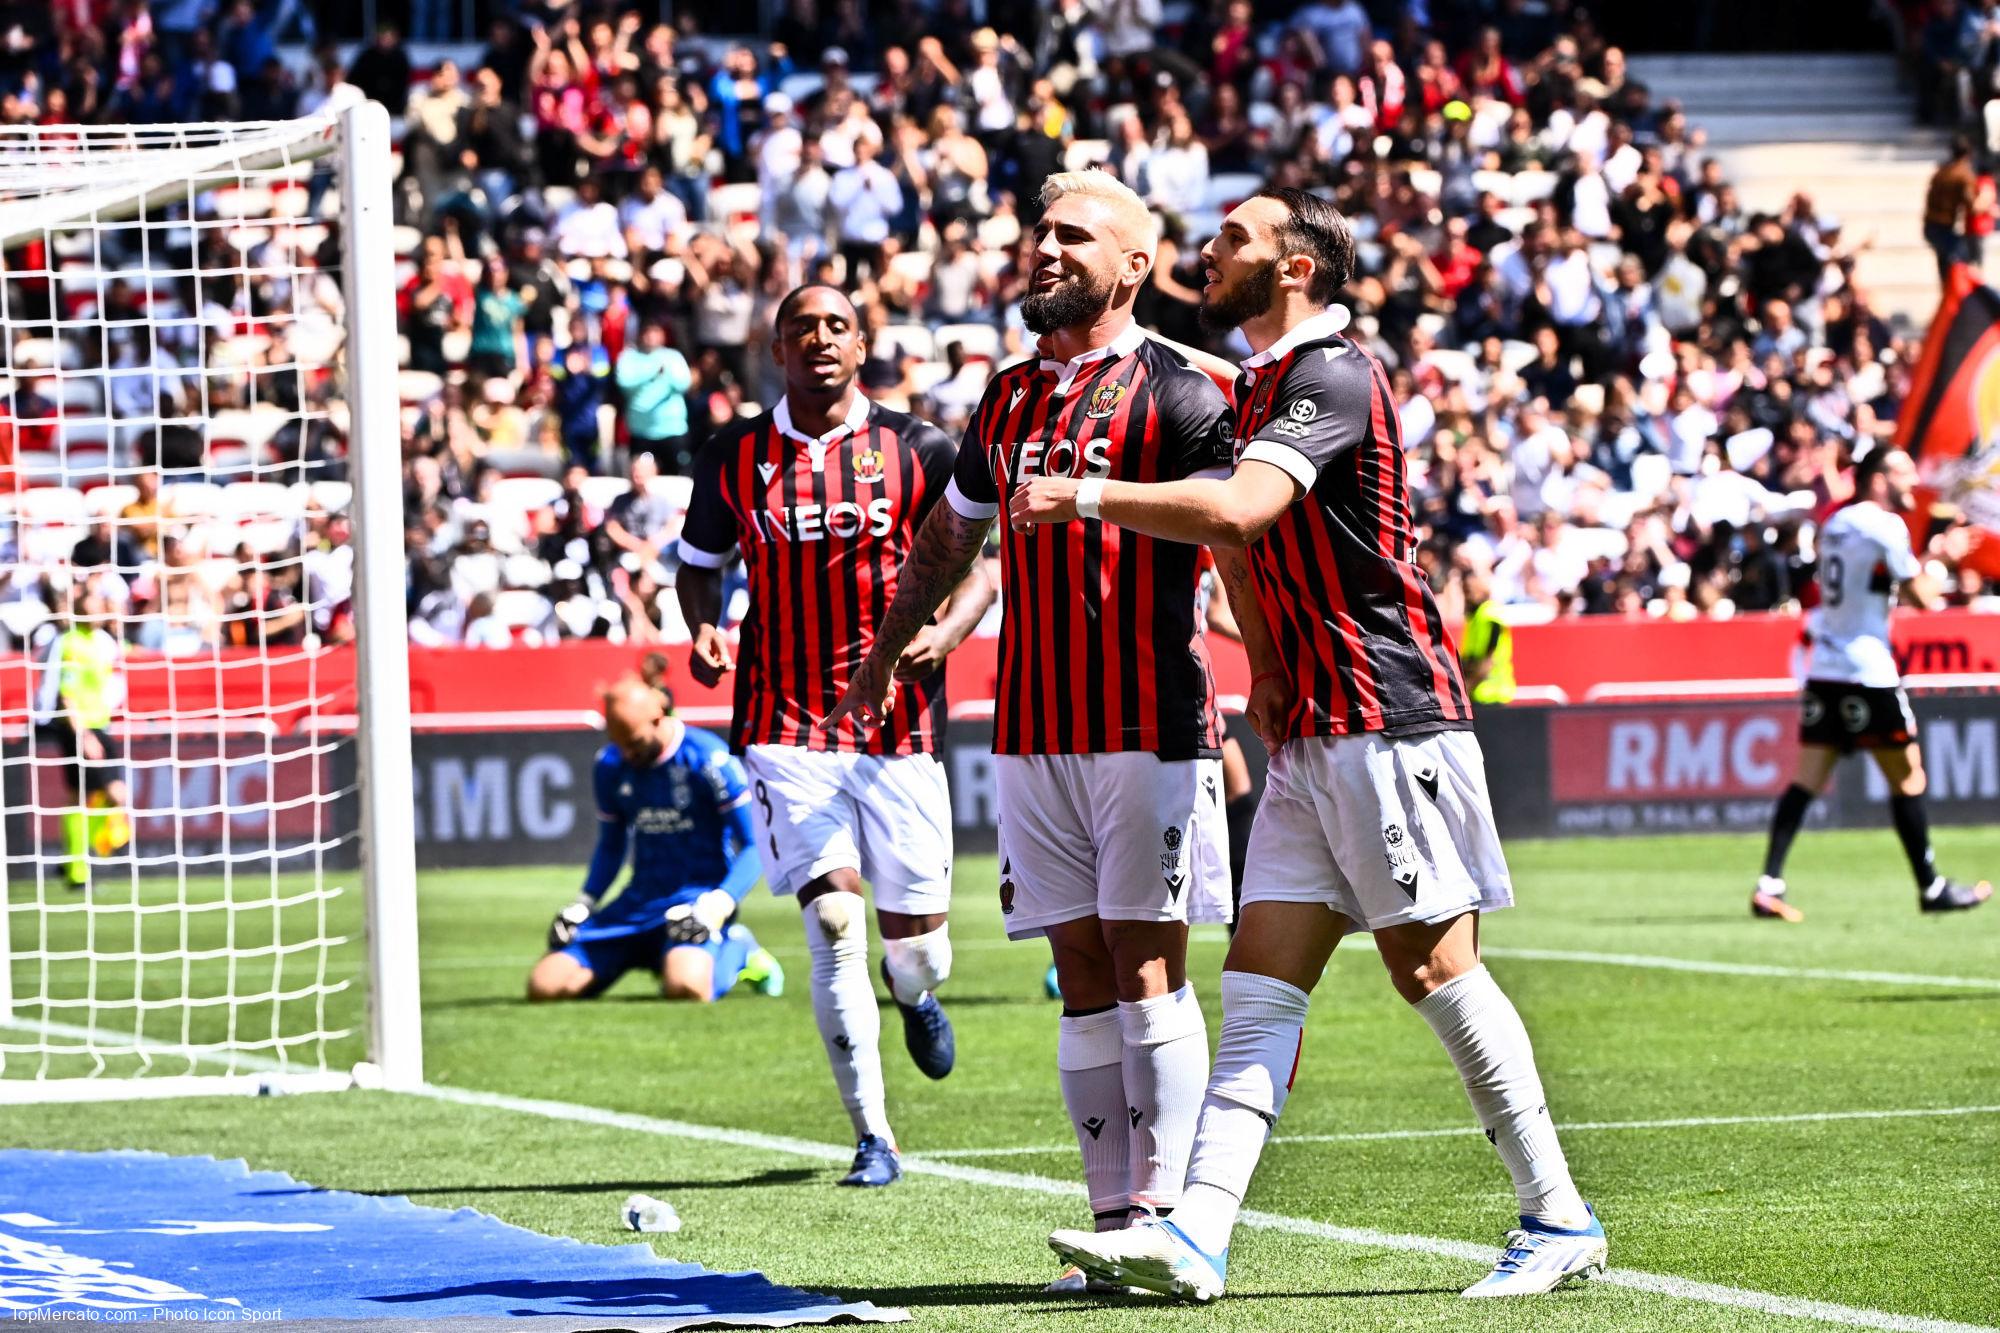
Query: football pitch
point(1782, 1127)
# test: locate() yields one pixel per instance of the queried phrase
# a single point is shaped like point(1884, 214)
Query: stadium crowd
point(1621, 393)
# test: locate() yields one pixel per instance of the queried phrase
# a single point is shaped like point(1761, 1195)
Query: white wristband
point(1089, 492)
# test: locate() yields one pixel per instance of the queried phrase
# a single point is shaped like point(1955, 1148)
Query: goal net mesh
point(177, 663)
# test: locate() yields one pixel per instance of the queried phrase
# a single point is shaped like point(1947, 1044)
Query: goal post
point(198, 397)
point(388, 803)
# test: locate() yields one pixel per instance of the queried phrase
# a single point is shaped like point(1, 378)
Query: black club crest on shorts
point(1402, 857)
point(1172, 864)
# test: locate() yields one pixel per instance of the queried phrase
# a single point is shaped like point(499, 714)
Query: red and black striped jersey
point(1099, 649)
point(1351, 614)
point(823, 525)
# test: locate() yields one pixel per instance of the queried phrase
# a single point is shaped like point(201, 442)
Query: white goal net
point(204, 724)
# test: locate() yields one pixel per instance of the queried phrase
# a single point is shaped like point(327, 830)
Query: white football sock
point(1166, 1071)
point(1263, 1027)
point(1484, 1036)
point(918, 965)
point(843, 1001)
point(1089, 1055)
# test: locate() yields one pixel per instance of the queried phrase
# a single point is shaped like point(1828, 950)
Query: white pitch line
point(1665, 964)
point(1566, 1127)
point(1792, 1307)
point(1654, 962)
point(105, 1041)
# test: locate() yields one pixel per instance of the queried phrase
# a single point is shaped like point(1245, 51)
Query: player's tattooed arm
point(945, 551)
point(699, 592)
point(1270, 687)
point(925, 654)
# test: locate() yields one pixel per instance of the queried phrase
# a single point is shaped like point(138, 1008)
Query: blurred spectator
point(639, 524)
point(865, 197)
point(382, 69)
point(579, 377)
point(1486, 644)
point(499, 334)
point(1948, 204)
point(107, 547)
point(654, 380)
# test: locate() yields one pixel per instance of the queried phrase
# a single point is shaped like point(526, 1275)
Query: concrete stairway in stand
point(1833, 126)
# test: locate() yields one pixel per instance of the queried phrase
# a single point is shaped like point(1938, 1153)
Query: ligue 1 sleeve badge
point(868, 464)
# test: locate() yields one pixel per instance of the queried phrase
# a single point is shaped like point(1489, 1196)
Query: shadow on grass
point(944, 1295)
point(641, 995)
point(1958, 997)
point(1714, 919)
point(776, 1176)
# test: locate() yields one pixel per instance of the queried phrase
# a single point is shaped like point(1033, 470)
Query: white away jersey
point(1864, 552)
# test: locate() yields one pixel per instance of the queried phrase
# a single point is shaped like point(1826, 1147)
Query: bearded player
point(1105, 726)
point(823, 498)
point(1376, 815)
point(1854, 697)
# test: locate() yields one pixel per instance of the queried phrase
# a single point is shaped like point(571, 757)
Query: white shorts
point(1124, 837)
point(886, 816)
point(1384, 832)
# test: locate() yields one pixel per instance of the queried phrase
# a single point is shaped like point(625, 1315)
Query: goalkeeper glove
point(695, 922)
point(563, 929)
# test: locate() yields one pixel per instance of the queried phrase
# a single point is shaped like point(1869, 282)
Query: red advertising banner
point(1663, 752)
point(1572, 655)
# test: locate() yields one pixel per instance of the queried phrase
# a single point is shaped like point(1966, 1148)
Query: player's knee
point(1419, 968)
point(1416, 977)
point(920, 962)
point(558, 977)
point(839, 917)
point(1148, 958)
point(1084, 971)
point(686, 988)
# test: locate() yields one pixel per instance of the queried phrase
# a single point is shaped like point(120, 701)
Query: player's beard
point(1075, 299)
point(1245, 299)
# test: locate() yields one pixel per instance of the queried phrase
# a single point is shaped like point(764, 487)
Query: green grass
point(1897, 1215)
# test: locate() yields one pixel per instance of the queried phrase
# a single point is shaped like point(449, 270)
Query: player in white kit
point(1854, 698)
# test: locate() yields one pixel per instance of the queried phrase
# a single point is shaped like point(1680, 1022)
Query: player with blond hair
point(1105, 726)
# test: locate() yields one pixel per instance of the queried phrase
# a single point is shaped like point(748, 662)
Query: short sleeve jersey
point(1100, 650)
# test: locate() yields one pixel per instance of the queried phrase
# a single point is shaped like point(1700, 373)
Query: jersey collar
point(1126, 343)
point(856, 422)
point(1321, 326)
point(673, 734)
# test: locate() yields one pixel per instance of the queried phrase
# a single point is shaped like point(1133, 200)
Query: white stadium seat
point(248, 500)
point(1454, 365)
point(46, 354)
point(915, 339)
point(977, 339)
point(1231, 188)
point(524, 495)
point(52, 504)
point(676, 491)
point(599, 492)
point(1083, 153)
point(109, 499)
point(726, 203)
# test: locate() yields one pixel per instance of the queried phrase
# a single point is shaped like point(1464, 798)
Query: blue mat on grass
point(136, 1237)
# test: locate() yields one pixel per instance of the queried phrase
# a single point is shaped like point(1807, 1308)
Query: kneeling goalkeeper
point(681, 801)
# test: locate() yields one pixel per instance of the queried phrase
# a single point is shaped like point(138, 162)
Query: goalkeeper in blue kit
point(679, 802)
